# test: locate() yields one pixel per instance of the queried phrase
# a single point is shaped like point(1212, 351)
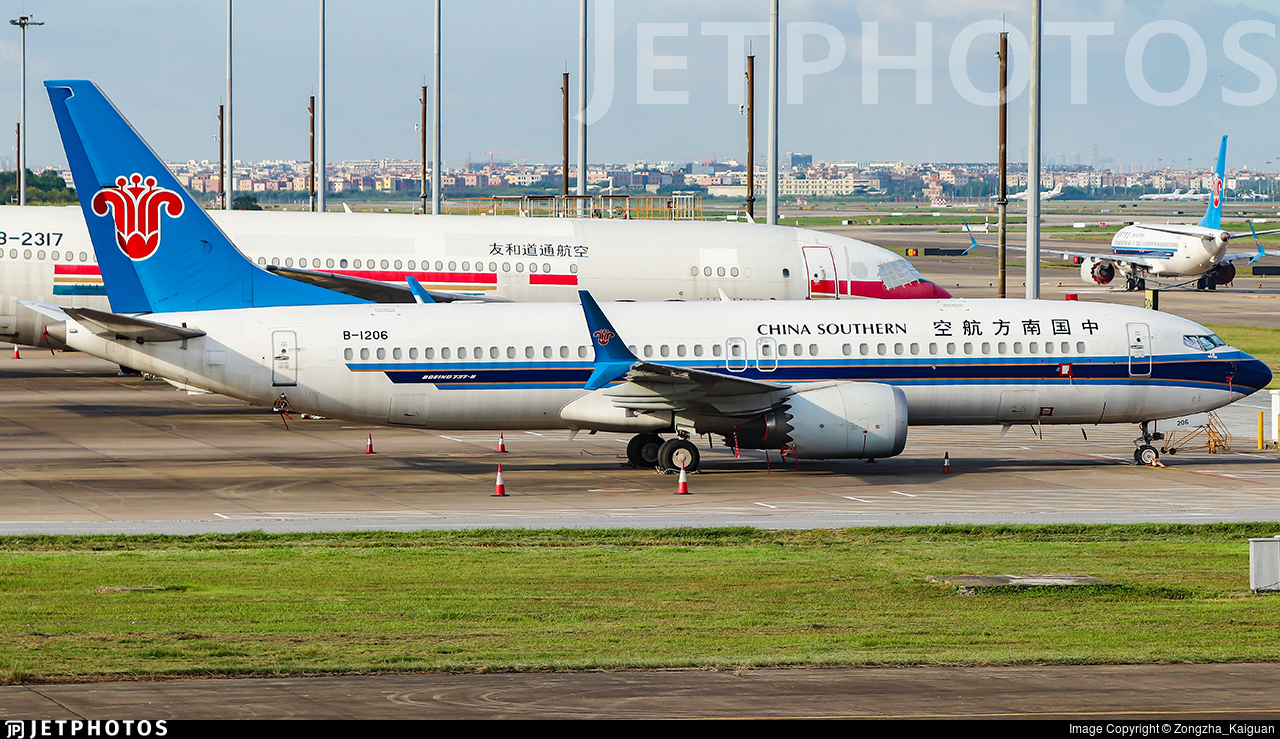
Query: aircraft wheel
point(642, 450)
point(1146, 455)
point(675, 453)
point(1202, 283)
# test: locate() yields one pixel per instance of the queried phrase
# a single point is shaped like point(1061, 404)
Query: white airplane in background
point(1162, 195)
point(817, 380)
point(1169, 252)
point(1044, 195)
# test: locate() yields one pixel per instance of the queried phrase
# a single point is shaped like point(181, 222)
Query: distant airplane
point(811, 379)
point(1169, 251)
point(1162, 195)
point(1044, 195)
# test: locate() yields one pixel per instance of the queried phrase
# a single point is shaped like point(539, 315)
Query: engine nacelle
point(1096, 270)
point(1223, 274)
point(839, 420)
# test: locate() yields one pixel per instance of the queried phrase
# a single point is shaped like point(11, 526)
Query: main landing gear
point(1135, 284)
point(649, 451)
point(1145, 453)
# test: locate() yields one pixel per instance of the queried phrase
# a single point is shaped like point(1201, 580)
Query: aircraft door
point(735, 355)
point(284, 358)
point(1139, 350)
point(820, 264)
point(766, 354)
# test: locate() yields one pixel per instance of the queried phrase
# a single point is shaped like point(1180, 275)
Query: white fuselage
point(46, 256)
point(1187, 254)
point(488, 366)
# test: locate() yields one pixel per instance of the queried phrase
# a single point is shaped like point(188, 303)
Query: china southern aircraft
point(45, 255)
point(817, 380)
point(1170, 252)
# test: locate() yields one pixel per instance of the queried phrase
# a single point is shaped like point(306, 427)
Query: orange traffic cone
point(946, 463)
point(683, 487)
point(499, 488)
point(502, 446)
point(16, 355)
point(368, 447)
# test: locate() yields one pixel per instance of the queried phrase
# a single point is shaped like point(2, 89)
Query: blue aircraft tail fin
point(157, 249)
point(1213, 213)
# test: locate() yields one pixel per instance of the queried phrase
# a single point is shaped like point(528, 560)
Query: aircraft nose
point(920, 289)
point(1251, 375)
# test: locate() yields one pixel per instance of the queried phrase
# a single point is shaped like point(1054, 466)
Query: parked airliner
point(811, 378)
point(45, 255)
point(1170, 252)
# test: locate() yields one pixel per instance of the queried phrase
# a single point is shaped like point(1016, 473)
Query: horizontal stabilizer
point(129, 327)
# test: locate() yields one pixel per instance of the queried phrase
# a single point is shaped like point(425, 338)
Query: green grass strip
point(256, 604)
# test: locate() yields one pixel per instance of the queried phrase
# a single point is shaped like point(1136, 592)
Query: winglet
point(613, 358)
point(973, 241)
point(1261, 252)
point(1213, 213)
point(420, 293)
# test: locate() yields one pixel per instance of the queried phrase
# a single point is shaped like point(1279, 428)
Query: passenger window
point(797, 350)
point(413, 352)
point(262, 261)
point(582, 352)
point(1048, 347)
point(84, 257)
point(493, 266)
point(466, 266)
point(706, 271)
point(664, 350)
point(720, 272)
point(564, 352)
point(1017, 347)
point(275, 261)
point(782, 350)
point(444, 352)
point(397, 264)
point(478, 352)
point(364, 353)
point(1079, 347)
point(462, 352)
point(546, 268)
point(951, 347)
point(847, 349)
point(933, 348)
point(986, 347)
point(648, 350)
point(1033, 347)
point(882, 349)
point(328, 263)
point(439, 266)
point(546, 352)
point(915, 349)
point(813, 350)
point(429, 353)
point(766, 350)
point(342, 264)
point(733, 272)
point(347, 354)
point(693, 271)
point(864, 350)
point(737, 350)
point(412, 265)
point(1002, 348)
point(528, 352)
point(573, 269)
point(697, 350)
point(680, 350)
point(898, 349)
point(356, 264)
point(520, 266)
point(395, 353)
point(511, 352)
point(453, 266)
point(968, 347)
point(493, 352)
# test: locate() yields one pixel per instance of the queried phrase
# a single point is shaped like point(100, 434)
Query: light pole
point(22, 22)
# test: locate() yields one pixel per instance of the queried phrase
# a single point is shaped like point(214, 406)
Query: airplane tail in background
point(157, 248)
point(1213, 213)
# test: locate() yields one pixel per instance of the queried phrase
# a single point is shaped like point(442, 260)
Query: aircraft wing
point(1066, 253)
point(662, 387)
point(373, 290)
point(647, 386)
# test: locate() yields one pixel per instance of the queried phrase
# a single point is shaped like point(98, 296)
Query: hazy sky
point(1148, 87)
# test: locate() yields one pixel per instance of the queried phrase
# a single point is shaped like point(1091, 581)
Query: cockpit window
point(1204, 343)
point(897, 273)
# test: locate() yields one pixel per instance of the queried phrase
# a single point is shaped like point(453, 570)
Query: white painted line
point(766, 505)
point(905, 495)
point(850, 497)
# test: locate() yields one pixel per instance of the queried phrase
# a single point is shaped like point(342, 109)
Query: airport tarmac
point(83, 450)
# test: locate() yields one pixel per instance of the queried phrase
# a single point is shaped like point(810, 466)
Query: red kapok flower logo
point(135, 204)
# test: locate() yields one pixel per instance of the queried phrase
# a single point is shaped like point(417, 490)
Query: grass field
point(79, 608)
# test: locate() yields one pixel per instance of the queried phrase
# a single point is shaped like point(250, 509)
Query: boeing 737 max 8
point(814, 379)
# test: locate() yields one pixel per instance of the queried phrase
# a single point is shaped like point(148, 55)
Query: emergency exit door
point(284, 358)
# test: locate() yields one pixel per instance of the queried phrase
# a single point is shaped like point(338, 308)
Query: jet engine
point(1223, 274)
point(1096, 270)
point(839, 420)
